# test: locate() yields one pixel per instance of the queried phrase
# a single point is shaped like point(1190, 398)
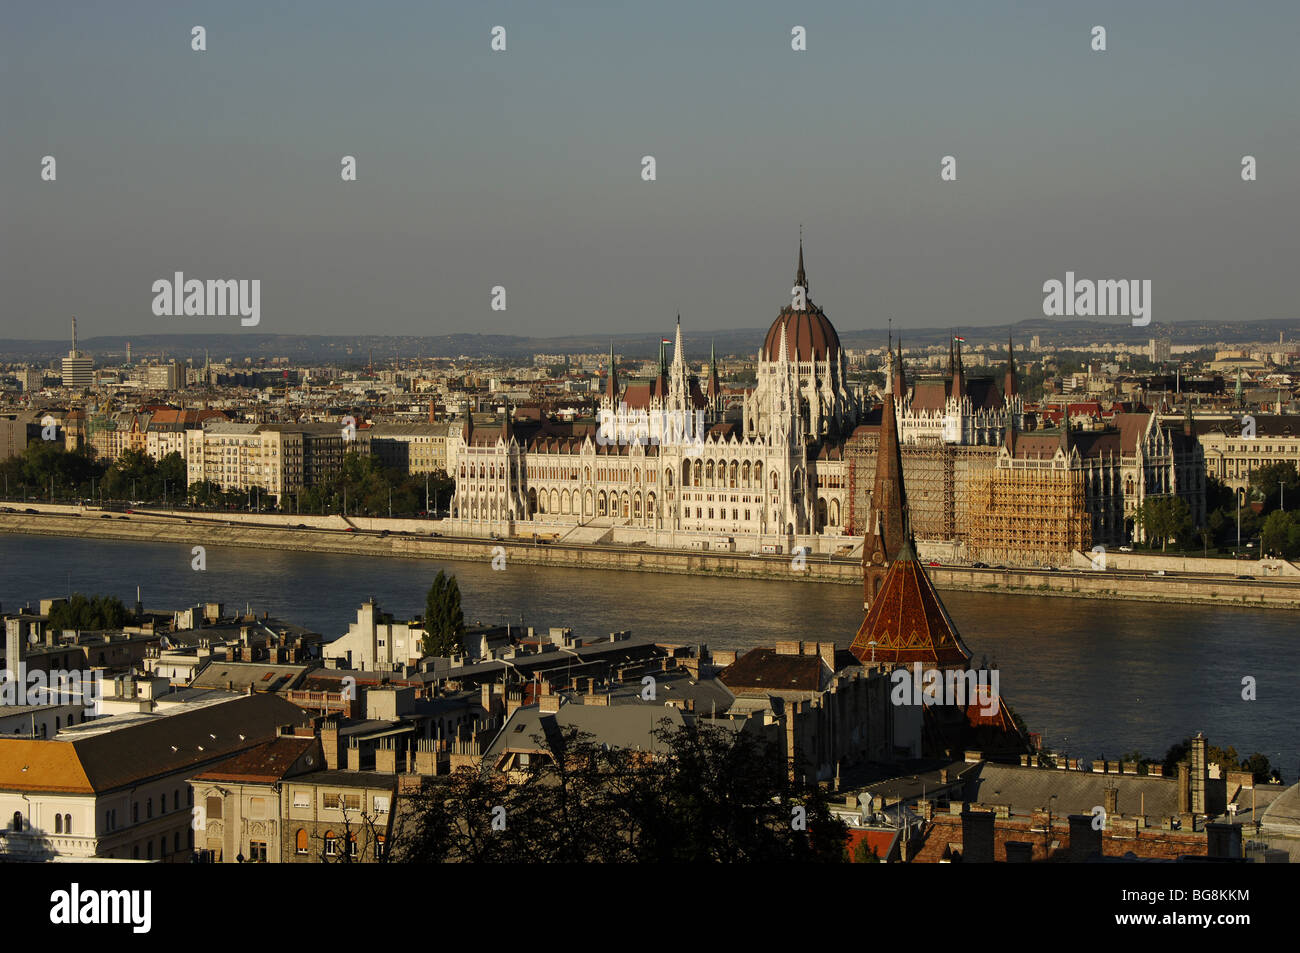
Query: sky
point(523, 168)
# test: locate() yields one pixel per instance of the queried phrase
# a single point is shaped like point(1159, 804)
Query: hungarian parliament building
point(790, 462)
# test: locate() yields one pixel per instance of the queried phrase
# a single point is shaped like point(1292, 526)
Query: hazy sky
point(523, 168)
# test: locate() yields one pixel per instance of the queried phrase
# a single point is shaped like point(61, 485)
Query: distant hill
point(357, 350)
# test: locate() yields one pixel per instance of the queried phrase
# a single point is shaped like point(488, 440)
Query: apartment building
point(117, 787)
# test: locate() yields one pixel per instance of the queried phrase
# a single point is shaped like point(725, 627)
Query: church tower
point(885, 531)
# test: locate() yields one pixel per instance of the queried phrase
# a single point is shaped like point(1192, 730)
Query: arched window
point(734, 471)
point(301, 841)
point(58, 823)
point(708, 473)
point(744, 474)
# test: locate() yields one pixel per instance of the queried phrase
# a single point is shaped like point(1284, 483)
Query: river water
point(1096, 678)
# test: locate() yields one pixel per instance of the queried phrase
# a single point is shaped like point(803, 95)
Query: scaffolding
point(1018, 513)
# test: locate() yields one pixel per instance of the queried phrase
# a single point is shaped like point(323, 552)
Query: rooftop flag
point(959, 338)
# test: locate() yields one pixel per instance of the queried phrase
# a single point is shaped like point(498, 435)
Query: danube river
point(1096, 678)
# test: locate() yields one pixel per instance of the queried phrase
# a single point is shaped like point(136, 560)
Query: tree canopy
point(714, 795)
point(444, 622)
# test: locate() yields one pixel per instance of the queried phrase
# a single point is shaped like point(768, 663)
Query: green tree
point(1164, 518)
point(444, 622)
point(1269, 482)
point(89, 613)
point(1280, 535)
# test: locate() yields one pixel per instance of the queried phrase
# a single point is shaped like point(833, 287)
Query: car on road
point(1245, 577)
point(349, 529)
point(1160, 572)
point(979, 565)
point(383, 533)
point(1126, 549)
point(124, 517)
point(107, 516)
point(933, 562)
point(301, 526)
point(30, 510)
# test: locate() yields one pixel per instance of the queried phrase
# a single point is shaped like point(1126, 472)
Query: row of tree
point(365, 486)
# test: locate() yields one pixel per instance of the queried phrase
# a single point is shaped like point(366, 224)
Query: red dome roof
point(809, 336)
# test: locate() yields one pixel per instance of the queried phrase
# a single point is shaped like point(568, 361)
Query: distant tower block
point(78, 370)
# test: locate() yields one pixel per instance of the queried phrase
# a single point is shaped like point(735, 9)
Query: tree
point(1270, 480)
point(1164, 518)
point(1280, 535)
point(444, 623)
point(709, 793)
point(89, 613)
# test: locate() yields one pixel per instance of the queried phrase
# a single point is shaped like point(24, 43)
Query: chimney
point(1184, 788)
point(426, 758)
point(1019, 852)
point(977, 837)
point(329, 739)
point(13, 647)
point(386, 757)
point(1199, 774)
point(1111, 798)
point(548, 703)
point(1085, 841)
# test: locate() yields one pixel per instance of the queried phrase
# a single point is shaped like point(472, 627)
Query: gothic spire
point(801, 279)
point(1009, 388)
point(611, 380)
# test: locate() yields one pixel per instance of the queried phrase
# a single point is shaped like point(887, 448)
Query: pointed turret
point(611, 380)
point(713, 390)
point(959, 375)
point(887, 535)
point(1188, 424)
point(507, 423)
point(800, 278)
point(1009, 385)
